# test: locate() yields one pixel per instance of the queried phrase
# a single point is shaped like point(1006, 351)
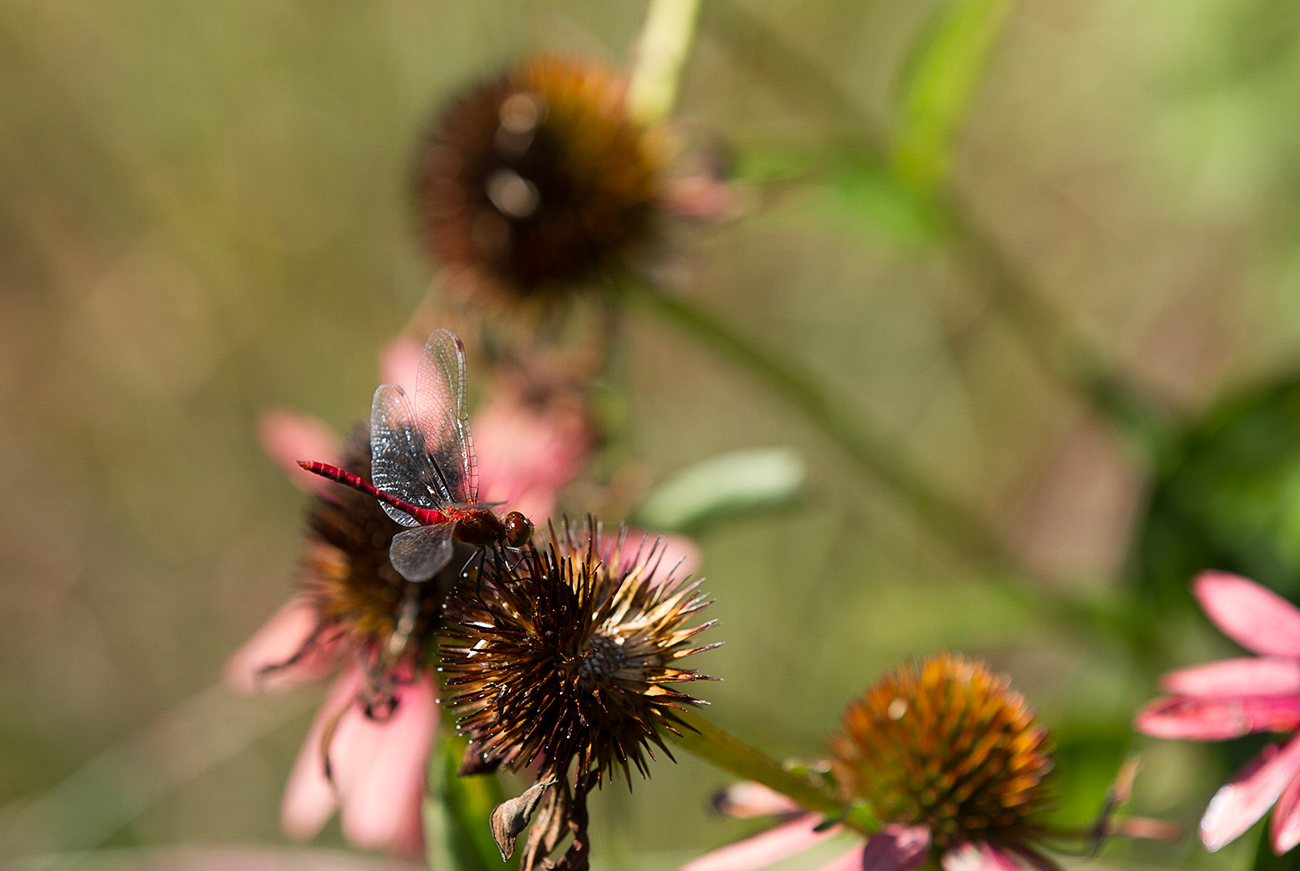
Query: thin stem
point(729, 753)
point(1064, 353)
point(953, 522)
point(1069, 356)
point(661, 54)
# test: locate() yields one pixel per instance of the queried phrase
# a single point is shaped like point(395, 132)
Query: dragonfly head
point(519, 529)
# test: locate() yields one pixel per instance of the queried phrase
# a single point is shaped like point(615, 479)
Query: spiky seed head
point(569, 658)
point(949, 745)
point(535, 180)
point(347, 573)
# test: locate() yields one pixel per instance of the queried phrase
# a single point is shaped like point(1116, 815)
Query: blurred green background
point(204, 215)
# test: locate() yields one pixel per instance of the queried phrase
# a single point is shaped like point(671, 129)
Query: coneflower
point(956, 767)
point(536, 180)
point(566, 664)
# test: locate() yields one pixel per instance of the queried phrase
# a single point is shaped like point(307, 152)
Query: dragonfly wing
point(440, 406)
point(399, 463)
point(419, 554)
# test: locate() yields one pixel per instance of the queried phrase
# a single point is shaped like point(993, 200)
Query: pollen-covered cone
point(948, 745)
point(571, 655)
point(535, 180)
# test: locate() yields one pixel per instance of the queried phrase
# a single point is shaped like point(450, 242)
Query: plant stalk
point(729, 753)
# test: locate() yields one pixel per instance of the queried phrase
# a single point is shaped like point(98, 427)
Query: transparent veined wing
point(442, 417)
point(419, 554)
point(399, 462)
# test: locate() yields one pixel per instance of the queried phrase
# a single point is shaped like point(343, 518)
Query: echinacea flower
point(566, 663)
point(376, 728)
point(1234, 697)
point(950, 759)
point(536, 180)
point(354, 614)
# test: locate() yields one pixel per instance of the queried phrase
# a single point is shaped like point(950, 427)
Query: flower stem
point(953, 522)
point(1065, 353)
point(729, 753)
point(661, 54)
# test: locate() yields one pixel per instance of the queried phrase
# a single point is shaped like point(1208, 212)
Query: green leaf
point(938, 85)
point(456, 814)
point(724, 485)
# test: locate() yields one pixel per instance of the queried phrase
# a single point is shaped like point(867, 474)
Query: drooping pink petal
point(528, 453)
point(749, 798)
point(896, 848)
point(1251, 615)
point(1247, 797)
point(1217, 718)
point(1286, 819)
point(278, 641)
point(980, 856)
point(1254, 676)
point(763, 849)
point(288, 437)
point(380, 800)
point(309, 798)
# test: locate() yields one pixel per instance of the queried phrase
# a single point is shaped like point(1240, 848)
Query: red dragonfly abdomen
point(422, 516)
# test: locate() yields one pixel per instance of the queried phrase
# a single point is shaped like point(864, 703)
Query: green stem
point(1070, 357)
point(661, 54)
point(954, 523)
point(1066, 354)
point(729, 753)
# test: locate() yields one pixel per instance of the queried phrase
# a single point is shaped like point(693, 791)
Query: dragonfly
point(423, 469)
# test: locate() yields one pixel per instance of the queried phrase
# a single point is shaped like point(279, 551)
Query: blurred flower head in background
point(1235, 697)
point(566, 663)
point(536, 180)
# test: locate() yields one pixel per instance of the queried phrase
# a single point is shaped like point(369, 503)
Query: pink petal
point(681, 555)
point(1286, 819)
point(850, 861)
point(748, 799)
point(896, 848)
point(1251, 615)
point(309, 798)
point(1250, 675)
point(399, 361)
point(980, 856)
point(381, 797)
point(764, 849)
point(288, 437)
point(1238, 805)
point(527, 454)
point(282, 637)
point(1216, 718)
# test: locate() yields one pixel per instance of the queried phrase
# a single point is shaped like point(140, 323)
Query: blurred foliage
point(1230, 499)
point(204, 214)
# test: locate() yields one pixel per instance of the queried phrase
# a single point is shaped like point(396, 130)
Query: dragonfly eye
point(519, 529)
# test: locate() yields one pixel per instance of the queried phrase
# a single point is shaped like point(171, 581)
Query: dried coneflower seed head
point(348, 576)
point(536, 180)
point(949, 745)
point(568, 659)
